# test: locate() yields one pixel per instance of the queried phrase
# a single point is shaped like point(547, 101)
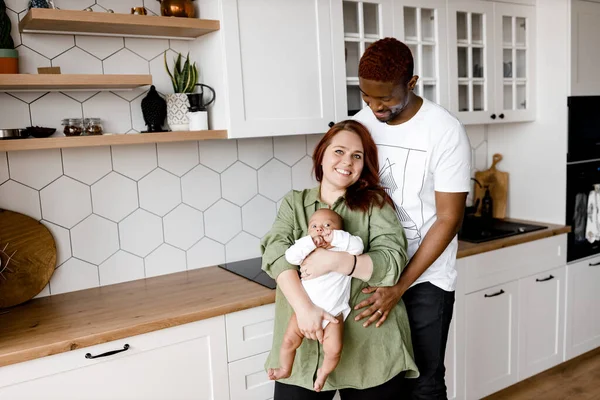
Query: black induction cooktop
point(250, 269)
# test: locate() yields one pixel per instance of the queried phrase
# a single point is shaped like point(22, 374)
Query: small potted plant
point(184, 79)
point(9, 57)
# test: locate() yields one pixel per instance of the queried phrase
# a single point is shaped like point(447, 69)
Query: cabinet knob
point(493, 116)
point(501, 116)
point(331, 124)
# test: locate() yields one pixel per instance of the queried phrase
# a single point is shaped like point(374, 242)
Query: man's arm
point(449, 209)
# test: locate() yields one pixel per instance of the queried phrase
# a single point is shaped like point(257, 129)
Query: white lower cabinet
point(583, 298)
point(186, 362)
point(541, 322)
point(249, 339)
point(248, 379)
point(491, 339)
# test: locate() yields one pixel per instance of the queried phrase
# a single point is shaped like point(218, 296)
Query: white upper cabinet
point(421, 24)
point(585, 52)
point(271, 64)
point(362, 23)
point(470, 36)
point(514, 62)
point(492, 60)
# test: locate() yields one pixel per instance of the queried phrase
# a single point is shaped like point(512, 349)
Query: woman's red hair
point(367, 189)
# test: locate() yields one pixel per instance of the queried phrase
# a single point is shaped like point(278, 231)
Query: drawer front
point(512, 263)
point(250, 332)
point(248, 379)
point(144, 350)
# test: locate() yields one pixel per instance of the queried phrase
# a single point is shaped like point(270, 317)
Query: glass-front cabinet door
point(470, 39)
point(514, 62)
point(363, 23)
point(422, 26)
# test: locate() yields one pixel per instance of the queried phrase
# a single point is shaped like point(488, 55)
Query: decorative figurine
point(154, 110)
point(139, 11)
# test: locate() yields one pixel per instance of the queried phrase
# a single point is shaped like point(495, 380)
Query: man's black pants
point(429, 311)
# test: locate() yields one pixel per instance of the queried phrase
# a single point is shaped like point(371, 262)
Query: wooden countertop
point(55, 324)
point(466, 249)
point(60, 323)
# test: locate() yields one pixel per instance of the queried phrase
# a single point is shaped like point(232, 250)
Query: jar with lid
point(93, 126)
point(72, 126)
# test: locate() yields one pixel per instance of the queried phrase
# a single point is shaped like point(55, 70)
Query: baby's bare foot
point(320, 381)
point(278, 373)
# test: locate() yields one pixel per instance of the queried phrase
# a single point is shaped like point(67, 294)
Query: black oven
point(583, 178)
point(584, 128)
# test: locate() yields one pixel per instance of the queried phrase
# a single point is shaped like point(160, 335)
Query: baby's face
point(321, 221)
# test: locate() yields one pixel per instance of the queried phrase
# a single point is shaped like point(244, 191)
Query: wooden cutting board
point(498, 183)
point(27, 258)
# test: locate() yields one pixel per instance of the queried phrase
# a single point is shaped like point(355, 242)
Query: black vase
point(154, 110)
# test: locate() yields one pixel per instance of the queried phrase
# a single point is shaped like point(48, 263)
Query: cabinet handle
point(108, 353)
point(501, 116)
point(545, 279)
point(495, 294)
point(331, 124)
point(493, 116)
point(594, 264)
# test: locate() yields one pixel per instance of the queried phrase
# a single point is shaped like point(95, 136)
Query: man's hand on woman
point(379, 304)
point(310, 322)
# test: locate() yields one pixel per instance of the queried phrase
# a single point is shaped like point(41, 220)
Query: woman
point(374, 360)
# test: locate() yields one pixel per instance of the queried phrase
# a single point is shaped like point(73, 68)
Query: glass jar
point(93, 126)
point(72, 126)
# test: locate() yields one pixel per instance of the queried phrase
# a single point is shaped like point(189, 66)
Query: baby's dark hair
point(387, 60)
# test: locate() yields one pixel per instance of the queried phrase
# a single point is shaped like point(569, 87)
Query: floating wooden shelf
point(108, 140)
point(65, 82)
point(39, 20)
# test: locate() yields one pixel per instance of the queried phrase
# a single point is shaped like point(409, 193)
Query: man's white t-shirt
point(428, 153)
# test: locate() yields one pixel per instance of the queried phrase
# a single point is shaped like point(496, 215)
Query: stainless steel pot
point(13, 133)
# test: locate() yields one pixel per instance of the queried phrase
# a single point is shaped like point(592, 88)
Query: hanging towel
point(592, 228)
point(580, 217)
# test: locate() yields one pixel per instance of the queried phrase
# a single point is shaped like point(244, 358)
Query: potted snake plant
point(184, 78)
point(9, 57)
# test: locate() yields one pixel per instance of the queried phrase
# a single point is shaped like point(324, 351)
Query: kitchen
point(123, 213)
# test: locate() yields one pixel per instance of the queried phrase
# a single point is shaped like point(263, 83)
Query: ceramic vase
point(177, 109)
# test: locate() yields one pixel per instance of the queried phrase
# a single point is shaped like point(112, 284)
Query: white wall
point(535, 153)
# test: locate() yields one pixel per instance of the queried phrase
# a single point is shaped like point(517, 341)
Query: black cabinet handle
point(108, 353)
point(545, 279)
point(501, 116)
point(331, 124)
point(495, 294)
point(595, 264)
point(493, 116)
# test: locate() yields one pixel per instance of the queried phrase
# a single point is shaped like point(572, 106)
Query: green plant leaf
point(178, 64)
point(169, 72)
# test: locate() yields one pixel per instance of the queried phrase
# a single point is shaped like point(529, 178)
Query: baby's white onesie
point(331, 291)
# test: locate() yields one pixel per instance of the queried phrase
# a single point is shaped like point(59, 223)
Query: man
point(425, 157)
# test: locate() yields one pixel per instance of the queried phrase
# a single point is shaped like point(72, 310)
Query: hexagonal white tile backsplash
point(129, 212)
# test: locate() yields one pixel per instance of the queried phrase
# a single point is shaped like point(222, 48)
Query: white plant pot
point(177, 110)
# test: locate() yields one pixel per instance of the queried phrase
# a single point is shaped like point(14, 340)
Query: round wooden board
point(27, 255)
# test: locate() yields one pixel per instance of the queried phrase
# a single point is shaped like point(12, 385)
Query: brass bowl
point(177, 8)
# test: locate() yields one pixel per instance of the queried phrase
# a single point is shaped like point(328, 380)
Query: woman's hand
point(322, 261)
point(310, 322)
point(380, 304)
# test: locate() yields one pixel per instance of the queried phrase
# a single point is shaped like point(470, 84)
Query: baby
point(331, 292)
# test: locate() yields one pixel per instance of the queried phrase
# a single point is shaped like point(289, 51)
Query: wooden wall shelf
point(39, 20)
point(108, 140)
point(65, 82)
